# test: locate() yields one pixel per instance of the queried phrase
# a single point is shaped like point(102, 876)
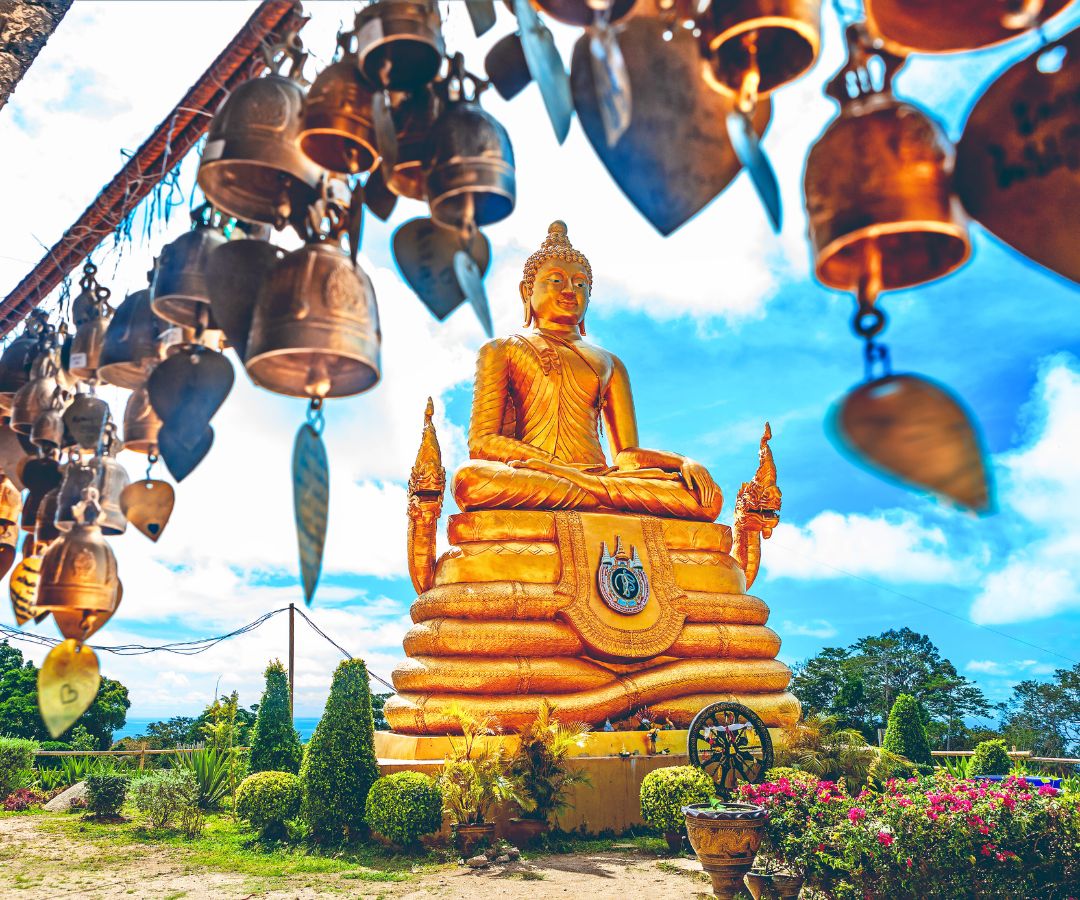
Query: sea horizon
point(135, 726)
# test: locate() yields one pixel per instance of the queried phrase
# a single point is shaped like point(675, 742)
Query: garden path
point(38, 862)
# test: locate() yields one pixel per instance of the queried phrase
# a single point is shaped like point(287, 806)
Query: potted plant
point(541, 773)
point(474, 777)
point(725, 836)
point(664, 793)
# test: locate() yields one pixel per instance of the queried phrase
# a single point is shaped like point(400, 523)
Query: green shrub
point(16, 764)
point(268, 800)
point(403, 807)
point(165, 796)
point(275, 745)
point(105, 794)
point(339, 765)
point(905, 734)
point(51, 779)
point(211, 769)
point(664, 792)
point(888, 766)
point(990, 758)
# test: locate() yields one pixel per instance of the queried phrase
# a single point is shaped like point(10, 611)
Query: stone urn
point(469, 837)
point(526, 832)
point(773, 885)
point(726, 840)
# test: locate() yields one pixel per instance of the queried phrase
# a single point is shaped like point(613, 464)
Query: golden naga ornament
point(68, 682)
point(516, 611)
point(1016, 169)
point(932, 26)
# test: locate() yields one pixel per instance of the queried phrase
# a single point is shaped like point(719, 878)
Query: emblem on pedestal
point(621, 578)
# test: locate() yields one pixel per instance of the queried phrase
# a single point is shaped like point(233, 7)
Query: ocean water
point(136, 726)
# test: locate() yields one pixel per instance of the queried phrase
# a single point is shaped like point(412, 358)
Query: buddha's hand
point(698, 480)
point(571, 473)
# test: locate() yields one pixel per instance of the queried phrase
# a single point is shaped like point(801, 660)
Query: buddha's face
point(560, 293)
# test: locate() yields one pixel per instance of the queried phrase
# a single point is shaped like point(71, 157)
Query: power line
point(344, 652)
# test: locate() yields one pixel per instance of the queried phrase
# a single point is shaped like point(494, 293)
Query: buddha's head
point(556, 283)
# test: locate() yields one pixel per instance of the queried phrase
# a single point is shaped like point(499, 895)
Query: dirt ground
point(37, 863)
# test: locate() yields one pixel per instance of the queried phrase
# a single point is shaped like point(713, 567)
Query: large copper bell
point(79, 582)
point(471, 179)
point(339, 129)
point(141, 423)
point(778, 39)
point(399, 43)
point(234, 276)
point(109, 478)
point(38, 394)
point(179, 293)
point(131, 343)
point(315, 331)
point(90, 312)
point(933, 26)
point(414, 115)
point(252, 166)
point(877, 183)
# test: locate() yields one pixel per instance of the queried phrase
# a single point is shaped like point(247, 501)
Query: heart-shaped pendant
point(189, 387)
point(68, 682)
point(85, 420)
point(1016, 170)
point(311, 504)
point(148, 505)
point(675, 157)
point(181, 455)
point(917, 431)
point(424, 252)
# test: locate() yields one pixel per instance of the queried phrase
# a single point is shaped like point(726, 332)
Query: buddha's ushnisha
point(540, 401)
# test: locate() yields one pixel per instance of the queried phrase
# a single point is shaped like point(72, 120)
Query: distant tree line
point(857, 685)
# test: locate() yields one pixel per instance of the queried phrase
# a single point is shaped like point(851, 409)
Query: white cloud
point(1009, 667)
point(894, 546)
point(816, 628)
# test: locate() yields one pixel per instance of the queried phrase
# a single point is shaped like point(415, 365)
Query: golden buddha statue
point(604, 588)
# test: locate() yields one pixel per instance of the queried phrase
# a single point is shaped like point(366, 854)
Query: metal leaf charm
point(148, 505)
point(748, 148)
point(611, 78)
point(917, 431)
point(311, 504)
point(385, 132)
point(378, 197)
point(546, 67)
point(482, 13)
point(180, 452)
point(68, 682)
point(23, 586)
point(85, 420)
point(506, 67)
point(424, 252)
point(471, 281)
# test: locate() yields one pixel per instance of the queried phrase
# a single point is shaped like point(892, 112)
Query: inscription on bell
point(342, 290)
point(268, 110)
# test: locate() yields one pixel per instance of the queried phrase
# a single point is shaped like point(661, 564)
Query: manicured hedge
point(105, 794)
point(403, 807)
point(905, 733)
point(664, 792)
point(990, 758)
point(275, 745)
point(16, 764)
point(268, 800)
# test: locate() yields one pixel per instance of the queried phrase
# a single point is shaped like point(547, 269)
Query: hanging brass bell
point(399, 43)
point(471, 178)
point(414, 115)
point(90, 313)
point(47, 432)
point(234, 275)
point(252, 166)
point(141, 423)
point(40, 475)
point(37, 395)
point(109, 478)
point(45, 530)
point(877, 183)
point(10, 502)
point(79, 582)
point(339, 130)
point(931, 26)
point(315, 330)
point(179, 293)
point(15, 364)
point(779, 40)
point(131, 342)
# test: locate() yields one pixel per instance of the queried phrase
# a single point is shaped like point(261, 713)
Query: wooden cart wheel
point(731, 743)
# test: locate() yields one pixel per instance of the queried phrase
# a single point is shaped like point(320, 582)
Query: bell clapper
point(869, 319)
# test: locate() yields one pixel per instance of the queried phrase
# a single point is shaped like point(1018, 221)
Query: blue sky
point(720, 325)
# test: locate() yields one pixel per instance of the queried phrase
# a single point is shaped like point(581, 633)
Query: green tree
point(339, 766)
point(378, 702)
point(174, 732)
point(275, 744)
point(905, 734)
point(1044, 716)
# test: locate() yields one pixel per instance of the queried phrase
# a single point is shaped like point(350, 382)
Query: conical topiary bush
point(275, 745)
point(905, 733)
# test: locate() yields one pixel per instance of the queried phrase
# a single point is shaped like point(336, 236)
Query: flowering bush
point(931, 837)
point(23, 799)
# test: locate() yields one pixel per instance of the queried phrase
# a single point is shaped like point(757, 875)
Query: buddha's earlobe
point(528, 314)
point(527, 301)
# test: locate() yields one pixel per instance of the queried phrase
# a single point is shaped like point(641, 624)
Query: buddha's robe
point(540, 398)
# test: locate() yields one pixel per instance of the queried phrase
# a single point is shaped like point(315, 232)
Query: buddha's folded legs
point(484, 484)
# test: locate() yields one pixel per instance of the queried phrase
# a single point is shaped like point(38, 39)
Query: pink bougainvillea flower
point(885, 839)
point(856, 814)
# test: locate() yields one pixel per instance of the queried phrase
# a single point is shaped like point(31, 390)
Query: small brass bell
point(37, 395)
point(90, 312)
point(45, 530)
point(471, 178)
point(399, 43)
point(109, 478)
point(179, 293)
point(79, 582)
point(877, 184)
point(141, 423)
point(48, 430)
point(234, 276)
point(315, 330)
point(15, 365)
point(252, 166)
point(40, 475)
point(777, 39)
point(131, 342)
point(414, 115)
point(10, 502)
point(339, 129)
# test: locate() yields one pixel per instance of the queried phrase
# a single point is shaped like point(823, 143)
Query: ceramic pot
point(726, 840)
point(773, 885)
point(470, 837)
point(526, 832)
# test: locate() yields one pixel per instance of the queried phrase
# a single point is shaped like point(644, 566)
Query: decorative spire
point(555, 246)
point(766, 471)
